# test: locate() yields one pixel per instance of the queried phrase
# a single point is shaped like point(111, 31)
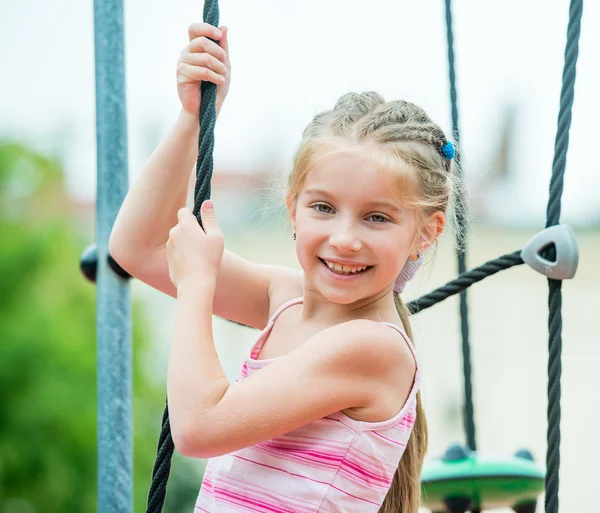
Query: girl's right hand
point(203, 60)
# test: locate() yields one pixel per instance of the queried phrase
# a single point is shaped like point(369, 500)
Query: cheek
point(393, 253)
point(308, 240)
point(392, 257)
point(309, 230)
point(308, 243)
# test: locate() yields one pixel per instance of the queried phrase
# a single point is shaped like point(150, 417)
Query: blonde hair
point(408, 144)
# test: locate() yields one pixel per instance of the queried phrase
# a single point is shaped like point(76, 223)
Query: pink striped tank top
point(332, 465)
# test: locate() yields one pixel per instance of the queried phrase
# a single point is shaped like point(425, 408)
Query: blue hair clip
point(448, 150)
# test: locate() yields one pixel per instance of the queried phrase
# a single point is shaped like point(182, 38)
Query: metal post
point(113, 294)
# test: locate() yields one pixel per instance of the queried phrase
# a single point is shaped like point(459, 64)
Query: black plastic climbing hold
point(117, 268)
point(457, 504)
point(525, 507)
point(456, 452)
point(89, 264)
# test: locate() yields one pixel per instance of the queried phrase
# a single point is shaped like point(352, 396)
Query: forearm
point(150, 208)
point(196, 381)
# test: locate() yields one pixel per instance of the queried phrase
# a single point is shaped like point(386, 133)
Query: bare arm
point(141, 230)
point(150, 207)
point(353, 364)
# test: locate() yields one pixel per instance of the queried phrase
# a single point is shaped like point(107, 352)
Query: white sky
point(294, 58)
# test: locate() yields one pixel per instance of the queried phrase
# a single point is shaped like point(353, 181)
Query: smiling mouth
point(345, 270)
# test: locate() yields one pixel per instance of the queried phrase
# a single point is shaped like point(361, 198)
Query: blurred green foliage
point(48, 421)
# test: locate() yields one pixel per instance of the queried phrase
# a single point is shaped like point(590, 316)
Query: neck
point(379, 307)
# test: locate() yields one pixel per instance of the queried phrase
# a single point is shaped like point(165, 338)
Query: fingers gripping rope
point(204, 169)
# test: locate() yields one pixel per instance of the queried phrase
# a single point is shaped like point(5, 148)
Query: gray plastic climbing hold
point(562, 238)
point(524, 454)
point(456, 452)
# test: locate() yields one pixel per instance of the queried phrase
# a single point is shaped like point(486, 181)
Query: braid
point(425, 134)
point(351, 108)
point(319, 122)
point(368, 116)
point(401, 121)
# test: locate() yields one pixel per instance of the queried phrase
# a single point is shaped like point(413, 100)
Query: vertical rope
point(461, 237)
point(204, 169)
point(555, 286)
point(208, 119)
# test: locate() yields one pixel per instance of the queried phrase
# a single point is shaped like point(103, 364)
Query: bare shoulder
point(375, 347)
point(376, 359)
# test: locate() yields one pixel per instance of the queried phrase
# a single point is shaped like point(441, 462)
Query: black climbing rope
point(204, 170)
point(555, 286)
point(461, 242)
point(464, 281)
point(552, 218)
point(208, 119)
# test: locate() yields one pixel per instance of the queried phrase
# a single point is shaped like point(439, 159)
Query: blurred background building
point(293, 59)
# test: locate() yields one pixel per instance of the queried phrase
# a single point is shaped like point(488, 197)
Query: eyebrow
point(317, 192)
point(321, 192)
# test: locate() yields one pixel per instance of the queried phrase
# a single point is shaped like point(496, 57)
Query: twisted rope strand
point(464, 281)
point(461, 237)
point(204, 170)
point(555, 287)
point(162, 466)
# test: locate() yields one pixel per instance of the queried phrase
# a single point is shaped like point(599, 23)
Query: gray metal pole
point(113, 294)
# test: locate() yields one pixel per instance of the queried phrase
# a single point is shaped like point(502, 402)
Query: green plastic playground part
point(479, 482)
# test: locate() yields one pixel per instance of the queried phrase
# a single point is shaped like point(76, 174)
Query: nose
point(345, 237)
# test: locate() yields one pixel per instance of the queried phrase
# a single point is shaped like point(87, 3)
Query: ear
point(291, 206)
point(432, 229)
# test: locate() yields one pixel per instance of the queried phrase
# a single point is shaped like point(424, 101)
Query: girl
point(325, 415)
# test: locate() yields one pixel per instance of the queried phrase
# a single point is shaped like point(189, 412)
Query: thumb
point(224, 42)
point(209, 217)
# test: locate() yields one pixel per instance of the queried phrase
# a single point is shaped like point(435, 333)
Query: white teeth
point(346, 269)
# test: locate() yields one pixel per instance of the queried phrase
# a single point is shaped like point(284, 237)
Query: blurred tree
point(48, 356)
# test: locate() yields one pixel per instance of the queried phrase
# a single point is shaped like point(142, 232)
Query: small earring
point(294, 235)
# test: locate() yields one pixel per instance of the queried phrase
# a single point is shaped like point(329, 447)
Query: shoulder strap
point(255, 350)
point(285, 306)
point(406, 339)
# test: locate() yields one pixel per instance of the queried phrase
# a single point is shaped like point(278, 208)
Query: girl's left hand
point(191, 251)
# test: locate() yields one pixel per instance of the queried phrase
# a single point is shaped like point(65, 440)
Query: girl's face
point(353, 235)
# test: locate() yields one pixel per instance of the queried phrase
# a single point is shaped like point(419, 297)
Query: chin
point(340, 296)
